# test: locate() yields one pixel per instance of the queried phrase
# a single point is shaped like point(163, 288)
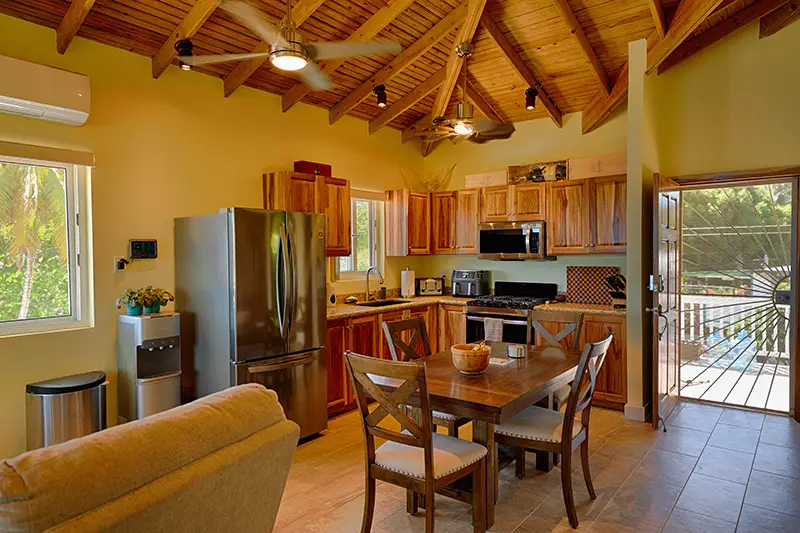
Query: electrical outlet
point(119, 264)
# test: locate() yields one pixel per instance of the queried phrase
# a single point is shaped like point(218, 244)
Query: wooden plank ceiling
point(575, 50)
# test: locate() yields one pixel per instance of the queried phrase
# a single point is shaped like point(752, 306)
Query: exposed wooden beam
point(480, 102)
point(200, 11)
point(382, 18)
point(236, 77)
point(396, 109)
point(586, 47)
point(779, 19)
point(657, 10)
point(520, 67)
point(401, 61)
point(71, 23)
point(726, 27)
point(689, 15)
point(417, 127)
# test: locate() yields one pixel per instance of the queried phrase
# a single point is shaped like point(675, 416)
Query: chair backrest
point(584, 384)
point(394, 331)
point(573, 320)
point(410, 377)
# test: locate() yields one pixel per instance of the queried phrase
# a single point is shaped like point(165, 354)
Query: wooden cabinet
point(428, 314)
point(527, 202)
point(393, 316)
point(612, 381)
point(408, 223)
point(311, 193)
point(467, 212)
point(363, 335)
point(338, 381)
point(452, 325)
point(495, 203)
point(443, 222)
point(586, 216)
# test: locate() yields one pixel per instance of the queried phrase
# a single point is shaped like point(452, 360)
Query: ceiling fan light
point(380, 93)
point(184, 48)
point(530, 98)
point(288, 60)
point(462, 128)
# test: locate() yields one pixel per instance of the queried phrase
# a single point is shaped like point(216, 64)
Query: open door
point(665, 286)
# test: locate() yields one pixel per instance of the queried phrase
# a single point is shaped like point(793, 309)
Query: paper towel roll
point(407, 278)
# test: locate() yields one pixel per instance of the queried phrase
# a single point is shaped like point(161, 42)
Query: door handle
point(283, 310)
point(293, 259)
point(297, 361)
point(659, 312)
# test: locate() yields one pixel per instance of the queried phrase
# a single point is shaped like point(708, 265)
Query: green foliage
point(131, 297)
point(151, 295)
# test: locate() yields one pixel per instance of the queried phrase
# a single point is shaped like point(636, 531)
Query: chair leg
point(479, 498)
point(566, 488)
point(369, 505)
point(412, 502)
point(519, 463)
point(429, 509)
point(556, 407)
point(587, 476)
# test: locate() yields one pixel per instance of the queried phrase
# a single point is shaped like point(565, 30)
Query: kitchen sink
point(381, 303)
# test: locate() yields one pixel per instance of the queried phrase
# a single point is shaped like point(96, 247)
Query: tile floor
point(716, 470)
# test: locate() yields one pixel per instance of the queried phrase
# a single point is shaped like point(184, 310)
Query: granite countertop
point(594, 309)
point(340, 311)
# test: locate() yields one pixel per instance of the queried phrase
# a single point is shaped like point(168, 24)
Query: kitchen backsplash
point(586, 285)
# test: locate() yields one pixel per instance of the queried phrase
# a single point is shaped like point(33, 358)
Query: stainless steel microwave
point(511, 241)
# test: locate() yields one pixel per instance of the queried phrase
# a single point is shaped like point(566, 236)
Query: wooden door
point(384, 343)
point(443, 222)
point(452, 326)
point(495, 204)
point(612, 380)
point(362, 338)
point(338, 381)
point(607, 219)
point(567, 217)
point(666, 296)
point(305, 193)
point(337, 216)
point(467, 213)
point(527, 202)
point(419, 223)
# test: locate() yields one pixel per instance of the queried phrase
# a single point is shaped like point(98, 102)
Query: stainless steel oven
point(515, 327)
point(514, 241)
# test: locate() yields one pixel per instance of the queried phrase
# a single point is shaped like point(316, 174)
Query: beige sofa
point(217, 464)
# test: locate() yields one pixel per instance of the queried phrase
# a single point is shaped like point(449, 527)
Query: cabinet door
point(443, 222)
point(419, 223)
point(467, 212)
point(452, 326)
point(338, 380)
point(337, 216)
point(495, 204)
point(527, 202)
point(430, 327)
point(608, 214)
point(612, 380)
point(363, 340)
point(384, 343)
point(305, 193)
point(567, 218)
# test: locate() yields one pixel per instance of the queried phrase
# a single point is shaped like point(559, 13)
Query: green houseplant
point(133, 300)
point(154, 298)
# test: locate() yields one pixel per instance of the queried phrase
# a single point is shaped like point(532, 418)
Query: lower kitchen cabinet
point(612, 386)
point(452, 326)
point(338, 385)
point(393, 316)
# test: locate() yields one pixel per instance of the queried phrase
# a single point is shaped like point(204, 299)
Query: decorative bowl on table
point(471, 359)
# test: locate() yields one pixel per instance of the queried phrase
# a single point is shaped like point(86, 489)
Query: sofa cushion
point(450, 454)
point(537, 423)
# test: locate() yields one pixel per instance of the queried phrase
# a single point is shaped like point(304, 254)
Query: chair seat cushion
point(537, 423)
point(449, 455)
point(444, 416)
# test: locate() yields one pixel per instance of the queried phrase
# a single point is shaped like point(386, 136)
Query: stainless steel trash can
point(61, 409)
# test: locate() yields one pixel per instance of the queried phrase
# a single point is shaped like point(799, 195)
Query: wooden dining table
point(494, 396)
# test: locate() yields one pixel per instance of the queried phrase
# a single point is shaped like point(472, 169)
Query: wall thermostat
point(144, 249)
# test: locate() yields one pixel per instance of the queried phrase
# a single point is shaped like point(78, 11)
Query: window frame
point(77, 179)
point(375, 240)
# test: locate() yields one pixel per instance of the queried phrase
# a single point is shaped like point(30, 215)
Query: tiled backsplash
point(586, 285)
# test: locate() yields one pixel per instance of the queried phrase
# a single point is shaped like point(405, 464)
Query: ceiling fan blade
point(502, 131)
point(345, 49)
point(205, 60)
point(315, 78)
point(483, 124)
point(254, 19)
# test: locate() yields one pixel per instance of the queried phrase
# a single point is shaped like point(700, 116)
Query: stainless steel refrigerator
point(251, 284)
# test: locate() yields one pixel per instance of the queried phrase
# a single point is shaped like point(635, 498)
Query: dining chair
point(406, 351)
point(574, 323)
point(551, 431)
point(421, 461)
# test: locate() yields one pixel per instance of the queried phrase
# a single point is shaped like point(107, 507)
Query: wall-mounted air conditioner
point(46, 93)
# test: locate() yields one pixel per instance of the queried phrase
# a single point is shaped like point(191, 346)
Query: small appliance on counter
point(470, 283)
point(407, 283)
point(330, 294)
point(429, 286)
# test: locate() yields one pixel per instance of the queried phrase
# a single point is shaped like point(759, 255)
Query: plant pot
point(134, 310)
point(155, 308)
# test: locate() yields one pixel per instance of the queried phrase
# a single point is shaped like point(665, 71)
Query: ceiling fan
point(465, 125)
point(287, 51)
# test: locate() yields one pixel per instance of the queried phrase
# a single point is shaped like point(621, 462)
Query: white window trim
point(80, 260)
point(376, 239)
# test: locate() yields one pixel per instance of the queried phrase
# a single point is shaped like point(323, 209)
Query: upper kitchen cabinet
point(495, 203)
point(566, 223)
point(443, 222)
point(337, 216)
point(608, 203)
point(527, 202)
point(408, 223)
point(467, 211)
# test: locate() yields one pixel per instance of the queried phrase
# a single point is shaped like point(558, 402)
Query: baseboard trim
point(636, 412)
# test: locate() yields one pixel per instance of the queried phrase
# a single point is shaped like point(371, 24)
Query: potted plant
point(133, 301)
point(154, 298)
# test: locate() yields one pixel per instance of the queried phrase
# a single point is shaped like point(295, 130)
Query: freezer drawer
point(300, 380)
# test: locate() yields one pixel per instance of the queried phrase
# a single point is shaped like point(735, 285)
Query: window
point(45, 262)
point(365, 238)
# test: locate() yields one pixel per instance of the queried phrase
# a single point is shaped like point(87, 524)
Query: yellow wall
point(165, 148)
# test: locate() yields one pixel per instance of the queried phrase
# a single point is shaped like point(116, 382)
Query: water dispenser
point(149, 362)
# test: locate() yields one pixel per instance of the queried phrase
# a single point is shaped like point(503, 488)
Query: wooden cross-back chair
point(546, 430)
point(417, 459)
point(573, 321)
point(406, 351)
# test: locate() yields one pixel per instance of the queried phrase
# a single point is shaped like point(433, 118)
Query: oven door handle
point(508, 322)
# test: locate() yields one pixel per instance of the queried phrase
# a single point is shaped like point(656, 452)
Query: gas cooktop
point(511, 302)
point(510, 295)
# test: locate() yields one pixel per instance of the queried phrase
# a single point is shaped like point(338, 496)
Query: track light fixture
point(380, 92)
point(530, 98)
point(184, 48)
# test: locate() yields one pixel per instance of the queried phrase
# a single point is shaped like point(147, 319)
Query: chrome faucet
point(380, 280)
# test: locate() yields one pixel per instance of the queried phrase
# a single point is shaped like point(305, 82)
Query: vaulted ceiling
point(573, 51)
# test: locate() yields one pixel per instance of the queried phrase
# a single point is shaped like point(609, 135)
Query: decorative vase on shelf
point(134, 310)
point(154, 308)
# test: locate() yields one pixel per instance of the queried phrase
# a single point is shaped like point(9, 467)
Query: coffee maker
point(470, 283)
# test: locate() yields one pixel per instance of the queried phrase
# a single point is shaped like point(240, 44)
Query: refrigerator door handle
point(282, 290)
point(293, 307)
point(293, 362)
